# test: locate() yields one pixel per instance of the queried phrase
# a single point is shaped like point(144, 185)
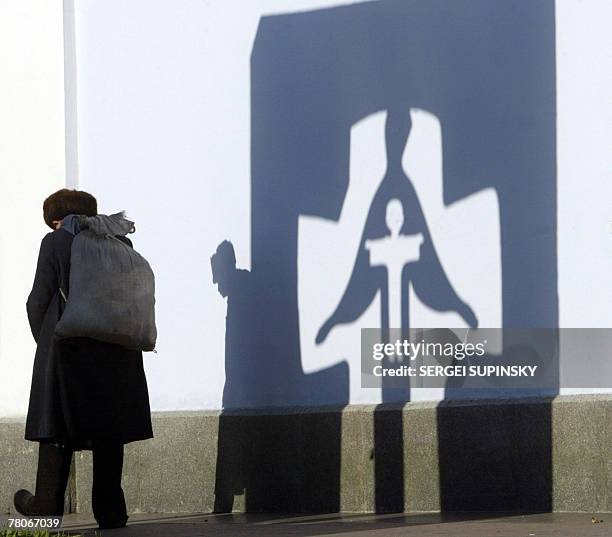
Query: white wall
point(163, 108)
point(164, 132)
point(31, 167)
point(584, 138)
point(163, 103)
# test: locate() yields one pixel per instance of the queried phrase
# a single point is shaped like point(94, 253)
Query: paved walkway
point(358, 525)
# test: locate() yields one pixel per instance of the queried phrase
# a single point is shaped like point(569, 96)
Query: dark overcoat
point(83, 391)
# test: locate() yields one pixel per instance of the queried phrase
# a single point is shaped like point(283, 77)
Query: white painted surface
point(31, 167)
point(164, 127)
point(334, 245)
point(584, 148)
point(163, 101)
point(164, 119)
point(584, 188)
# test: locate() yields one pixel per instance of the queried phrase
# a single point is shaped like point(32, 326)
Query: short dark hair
point(64, 202)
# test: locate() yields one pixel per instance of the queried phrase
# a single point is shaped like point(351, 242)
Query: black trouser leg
point(108, 501)
point(51, 480)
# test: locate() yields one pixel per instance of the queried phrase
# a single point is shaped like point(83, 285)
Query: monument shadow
point(486, 70)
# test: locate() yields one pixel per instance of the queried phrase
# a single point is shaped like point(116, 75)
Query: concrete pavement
point(358, 525)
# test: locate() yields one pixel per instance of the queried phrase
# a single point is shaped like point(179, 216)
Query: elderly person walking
point(85, 394)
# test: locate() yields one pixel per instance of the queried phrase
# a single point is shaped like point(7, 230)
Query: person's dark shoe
point(22, 501)
point(27, 504)
point(112, 523)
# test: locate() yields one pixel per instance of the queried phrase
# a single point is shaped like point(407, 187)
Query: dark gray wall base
point(519, 455)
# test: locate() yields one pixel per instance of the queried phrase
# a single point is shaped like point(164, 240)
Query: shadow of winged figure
point(397, 220)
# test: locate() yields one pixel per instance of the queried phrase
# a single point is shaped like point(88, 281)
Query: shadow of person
point(236, 286)
point(276, 461)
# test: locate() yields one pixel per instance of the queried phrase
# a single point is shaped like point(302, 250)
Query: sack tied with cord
point(111, 286)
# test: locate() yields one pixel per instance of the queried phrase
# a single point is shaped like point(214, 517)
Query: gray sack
point(112, 287)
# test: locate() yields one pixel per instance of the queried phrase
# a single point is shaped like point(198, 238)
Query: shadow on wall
point(486, 70)
point(253, 455)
